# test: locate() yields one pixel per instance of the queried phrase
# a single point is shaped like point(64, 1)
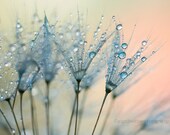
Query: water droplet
point(113, 18)
point(143, 59)
point(81, 42)
point(75, 49)
point(13, 131)
point(144, 42)
point(123, 75)
point(124, 45)
point(7, 64)
point(61, 35)
point(92, 54)
point(19, 27)
point(119, 27)
point(122, 55)
point(116, 45)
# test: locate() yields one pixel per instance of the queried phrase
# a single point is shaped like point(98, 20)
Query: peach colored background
point(151, 16)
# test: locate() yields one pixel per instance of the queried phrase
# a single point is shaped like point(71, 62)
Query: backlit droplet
point(122, 55)
point(75, 49)
point(144, 42)
point(113, 18)
point(123, 75)
point(143, 59)
point(119, 27)
point(124, 45)
point(92, 54)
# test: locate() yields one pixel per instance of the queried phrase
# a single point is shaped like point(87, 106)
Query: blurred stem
point(71, 117)
point(21, 112)
point(9, 125)
point(77, 107)
point(47, 108)
point(100, 112)
point(34, 126)
point(106, 117)
point(82, 109)
point(14, 99)
point(10, 105)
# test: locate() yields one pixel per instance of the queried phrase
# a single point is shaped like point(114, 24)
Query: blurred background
point(152, 19)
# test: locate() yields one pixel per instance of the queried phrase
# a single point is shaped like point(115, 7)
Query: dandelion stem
point(71, 117)
point(82, 109)
point(32, 112)
point(10, 105)
point(9, 125)
point(21, 112)
point(15, 95)
point(47, 108)
point(106, 117)
point(77, 99)
point(100, 112)
point(77, 106)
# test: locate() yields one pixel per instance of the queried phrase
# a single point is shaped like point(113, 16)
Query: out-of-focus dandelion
point(8, 87)
point(72, 43)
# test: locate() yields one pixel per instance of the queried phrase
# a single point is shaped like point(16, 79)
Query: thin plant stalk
point(77, 107)
point(106, 117)
point(15, 95)
point(21, 112)
point(71, 117)
point(32, 113)
point(100, 113)
point(9, 125)
point(11, 108)
point(82, 109)
point(47, 108)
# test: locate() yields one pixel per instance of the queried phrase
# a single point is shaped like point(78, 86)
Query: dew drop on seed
point(92, 54)
point(123, 75)
point(119, 27)
point(75, 49)
point(143, 59)
point(13, 131)
point(113, 18)
point(124, 45)
point(122, 55)
point(144, 42)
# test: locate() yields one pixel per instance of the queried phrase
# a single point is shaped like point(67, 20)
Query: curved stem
point(47, 108)
point(106, 117)
point(71, 117)
point(77, 105)
point(9, 103)
point(9, 125)
point(100, 112)
point(21, 113)
point(82, 109)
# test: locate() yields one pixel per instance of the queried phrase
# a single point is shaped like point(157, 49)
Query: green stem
point(9, 125)
point(82, 109)
point(21, 113)
point(11, 108)
point(71, 117)
point(77, 105)
point(47, 108)
point(106, 117)
point(100, 112)
point(32, 112)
